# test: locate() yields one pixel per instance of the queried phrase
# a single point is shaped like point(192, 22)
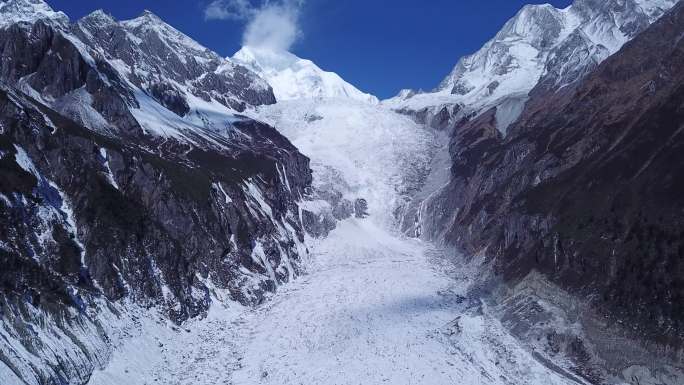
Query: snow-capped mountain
point(28, 11)
point(199, 91)
point(541, 45)
point(294, 78)
point(153, 194)
point(130, 181)
point(147, 72)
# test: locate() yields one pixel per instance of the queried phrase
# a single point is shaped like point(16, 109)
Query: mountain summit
point(294, 78)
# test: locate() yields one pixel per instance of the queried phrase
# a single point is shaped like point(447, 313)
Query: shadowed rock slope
point(586, 187)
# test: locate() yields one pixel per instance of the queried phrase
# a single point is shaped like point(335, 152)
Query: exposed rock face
point(563, 181)
point(86, 216)
point(126, 175)
point(585, 187)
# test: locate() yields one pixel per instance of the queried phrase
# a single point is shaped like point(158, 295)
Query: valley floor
point(374, 308)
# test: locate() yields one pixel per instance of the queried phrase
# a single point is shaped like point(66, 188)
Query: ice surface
point(374, 309)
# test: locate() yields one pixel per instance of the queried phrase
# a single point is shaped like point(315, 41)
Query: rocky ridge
point(543, 45)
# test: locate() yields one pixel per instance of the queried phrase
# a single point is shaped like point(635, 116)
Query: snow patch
point(219, 187)
point(25, 162)
point(109, 174)
point(508, 112)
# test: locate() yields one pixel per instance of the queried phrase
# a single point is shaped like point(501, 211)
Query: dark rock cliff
point(586, 187)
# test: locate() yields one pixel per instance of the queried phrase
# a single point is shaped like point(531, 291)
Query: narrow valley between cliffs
point(173, 216)
point(374, 306)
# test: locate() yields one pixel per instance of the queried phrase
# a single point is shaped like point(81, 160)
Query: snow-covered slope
point(359, 150)
point(540, 45)
point(294, 78)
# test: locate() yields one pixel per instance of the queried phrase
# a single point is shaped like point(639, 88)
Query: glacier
point(373, 306)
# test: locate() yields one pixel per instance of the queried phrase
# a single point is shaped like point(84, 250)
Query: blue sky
point(379, 46)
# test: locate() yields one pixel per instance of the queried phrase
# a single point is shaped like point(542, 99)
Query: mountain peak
point(149, 22)
point(28, 11)
point(99, 16)
point(538, 32)
point(656, 8)
point(295, 78)
point(147, 14)
point(541, 46)
point(147, 17)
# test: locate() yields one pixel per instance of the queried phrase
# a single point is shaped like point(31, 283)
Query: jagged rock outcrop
point(108, 75)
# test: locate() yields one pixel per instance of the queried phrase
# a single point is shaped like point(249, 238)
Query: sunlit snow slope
point(540, 45)
point(294, 78)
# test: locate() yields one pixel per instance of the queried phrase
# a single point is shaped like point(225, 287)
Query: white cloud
point(272, 25)
point(275, 27)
